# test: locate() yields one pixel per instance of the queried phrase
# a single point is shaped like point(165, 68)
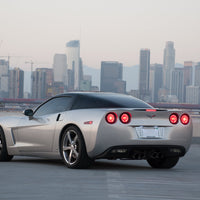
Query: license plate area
point(150, 132)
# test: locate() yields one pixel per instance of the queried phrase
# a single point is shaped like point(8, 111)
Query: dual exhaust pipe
point(137, 155)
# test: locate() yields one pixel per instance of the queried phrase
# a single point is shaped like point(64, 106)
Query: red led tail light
point(173, 118)
point(111, 117)
point(125, 118)
point(185, 119)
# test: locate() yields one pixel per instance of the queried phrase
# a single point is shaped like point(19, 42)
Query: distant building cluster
point(157, 82)
point(11, 81)
point(166, 83)
point(65, 75)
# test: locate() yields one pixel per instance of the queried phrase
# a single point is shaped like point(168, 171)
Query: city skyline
point(68, 75)
point(132, 83)
point(150, 81)
point(117, 31)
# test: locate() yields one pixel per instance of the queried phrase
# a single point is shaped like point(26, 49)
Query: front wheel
point(163, 163)
point(3, 149)
point(73, 150)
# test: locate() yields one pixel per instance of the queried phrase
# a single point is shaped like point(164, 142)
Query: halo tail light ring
point(125, 117)
point(111, 118)
point(185, 119)
point(173, 118)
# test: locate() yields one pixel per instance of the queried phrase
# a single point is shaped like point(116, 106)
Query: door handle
point(58, 117)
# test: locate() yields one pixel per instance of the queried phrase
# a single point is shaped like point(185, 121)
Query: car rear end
point(142, 134)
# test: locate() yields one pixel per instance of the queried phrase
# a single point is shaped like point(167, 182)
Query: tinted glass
point(56, 105)
point(109, 101)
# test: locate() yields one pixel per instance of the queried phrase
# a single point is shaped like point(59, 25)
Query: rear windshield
point(112, 101)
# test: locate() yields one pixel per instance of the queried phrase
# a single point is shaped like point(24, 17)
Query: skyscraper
point(193, 94)
point(73, 63)
point(168, 65)
point(197, 75)
point(49, 81)
point(192, 90)
point(156, 81)
point(38, 84)
point(188, 73)
point(188, 76)
point(144, 73)
point(111, 77)
point(4, 78)
point(16, 86)
point(60, 68)
point(178, 83)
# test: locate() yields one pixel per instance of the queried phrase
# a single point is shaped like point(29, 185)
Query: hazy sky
point(108, 29)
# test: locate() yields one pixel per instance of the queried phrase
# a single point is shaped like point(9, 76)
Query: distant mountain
point(130, 75)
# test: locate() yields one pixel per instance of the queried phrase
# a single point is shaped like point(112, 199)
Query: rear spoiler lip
point(144, 109)
point(149, 109)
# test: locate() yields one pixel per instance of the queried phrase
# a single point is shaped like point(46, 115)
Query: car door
point(36, 133)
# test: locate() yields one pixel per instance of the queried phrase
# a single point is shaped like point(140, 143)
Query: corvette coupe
point(82, 127)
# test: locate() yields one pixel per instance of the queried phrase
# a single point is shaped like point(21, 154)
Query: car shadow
point(97, 165)
point(33, 160)
point(118, 165)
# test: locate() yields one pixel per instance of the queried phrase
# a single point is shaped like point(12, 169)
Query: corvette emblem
point(151, 116)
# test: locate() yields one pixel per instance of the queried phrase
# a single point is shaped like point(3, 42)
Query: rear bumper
point(135, 152)
point(114, 136)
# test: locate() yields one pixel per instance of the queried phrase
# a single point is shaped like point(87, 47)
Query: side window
point(56, 105)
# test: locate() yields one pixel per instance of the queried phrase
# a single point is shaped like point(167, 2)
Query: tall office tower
point(197, 75)
point(39, 84)
point(49, 81)
point(16, 86)
point(60, 68)
point(188, 73)
point(81, 75)
point(58, 88)
point(168, 65)
point(86, 83)
point(193, 94)
point(111, 77)
point(156, 80)
point(188, 76)
point(73, 64)
point(4, 78)
point(177, 83)
point(144, 74)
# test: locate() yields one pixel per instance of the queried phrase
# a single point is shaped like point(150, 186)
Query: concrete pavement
point(27, 178)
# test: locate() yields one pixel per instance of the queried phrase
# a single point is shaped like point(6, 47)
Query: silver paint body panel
point(39, 136)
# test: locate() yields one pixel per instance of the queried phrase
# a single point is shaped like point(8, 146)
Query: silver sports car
point(82, 127)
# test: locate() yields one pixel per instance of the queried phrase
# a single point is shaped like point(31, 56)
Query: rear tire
point(3, 148)
point(73, 150)
point(163, 163)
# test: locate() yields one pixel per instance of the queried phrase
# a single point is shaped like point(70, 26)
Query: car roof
point(99, 99)
point(94, 94)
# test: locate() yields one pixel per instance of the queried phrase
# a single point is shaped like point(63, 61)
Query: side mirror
point(28, 112)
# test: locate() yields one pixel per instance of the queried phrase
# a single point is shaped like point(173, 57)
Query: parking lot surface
point(27, 178)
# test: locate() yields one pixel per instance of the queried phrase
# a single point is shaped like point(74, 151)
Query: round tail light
point(173, 118)
point(185, 119)
point(111, 117)
point(125, 118)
